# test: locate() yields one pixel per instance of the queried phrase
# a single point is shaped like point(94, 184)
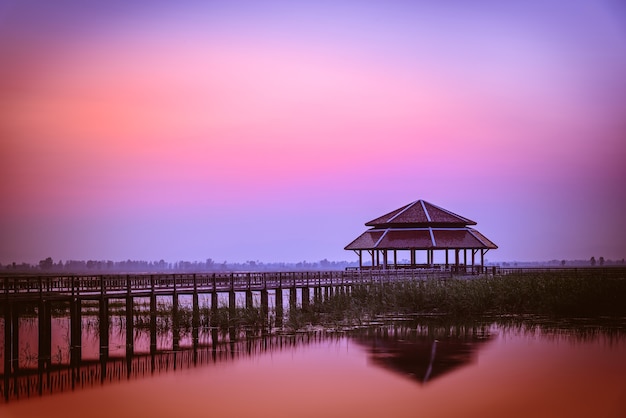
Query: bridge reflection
point(422, 352)
point(25, 382)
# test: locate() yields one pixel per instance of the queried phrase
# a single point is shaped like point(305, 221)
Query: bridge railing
point(114, 284)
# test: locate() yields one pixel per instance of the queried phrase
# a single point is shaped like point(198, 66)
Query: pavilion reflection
point(423, 354)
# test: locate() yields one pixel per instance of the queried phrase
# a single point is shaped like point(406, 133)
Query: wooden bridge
point(59, 286)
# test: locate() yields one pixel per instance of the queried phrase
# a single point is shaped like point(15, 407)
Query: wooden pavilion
point(420, 225)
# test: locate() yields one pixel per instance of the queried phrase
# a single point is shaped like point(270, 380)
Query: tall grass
point(542, 293)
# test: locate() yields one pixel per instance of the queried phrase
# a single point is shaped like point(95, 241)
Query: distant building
point(420, 226)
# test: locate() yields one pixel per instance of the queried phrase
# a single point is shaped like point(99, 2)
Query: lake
point(394, 367)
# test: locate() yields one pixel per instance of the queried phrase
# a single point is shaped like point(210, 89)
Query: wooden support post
point(15, 351)
point(15, 359)
point(447, 263)
point(232, 305)
point(175, 323)
point(45, 336)
point(75, 332)
point(279, 307)
point(473, 263)
point(293, 300)
point(249, 300)
point(214, 302)
point(456, 260)
point(384, 259)
point(264, 305)
point(195, 320)
point(465, 259)
point(153, 323)
point(306, 298)
point(373, 262)
point(130, 340)
point(104, 328)
point(412, 258)
point(7, 347)
point(482, 260)
point(360, 259)
point(377, 258)
point(395, 258)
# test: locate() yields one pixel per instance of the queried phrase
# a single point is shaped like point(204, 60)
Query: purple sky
point(273, 131)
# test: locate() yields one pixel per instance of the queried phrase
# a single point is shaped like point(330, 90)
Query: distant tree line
point(209, 265)
point(593, 262)
point(161, 266)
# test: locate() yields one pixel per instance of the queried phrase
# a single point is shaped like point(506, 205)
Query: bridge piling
point(264, 306)
point(279, 307)
point(103, 317)
point(45, 335)
point(175, 323)
point(195, 320)
point(232, 305)
point(130, 343)
point(306, 298)
point(249, 300)
point(153, 322)
point(75, 331)
point(293, 298)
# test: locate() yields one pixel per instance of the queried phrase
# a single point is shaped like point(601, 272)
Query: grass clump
point(544, 294)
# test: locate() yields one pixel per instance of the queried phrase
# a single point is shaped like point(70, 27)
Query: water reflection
point(423, 353)
point(401, 368)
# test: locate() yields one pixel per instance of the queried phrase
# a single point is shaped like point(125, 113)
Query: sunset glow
point(268, 131)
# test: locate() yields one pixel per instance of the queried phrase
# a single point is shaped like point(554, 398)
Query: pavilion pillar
point(385, 259)
point(456, 260)
point(372, 254)
point(465, 259)
point(482, 260)
point(360, 259)
point(447, 263)
point(377, 258)
point(412, 251)
point(395, 258)
point(473, 262)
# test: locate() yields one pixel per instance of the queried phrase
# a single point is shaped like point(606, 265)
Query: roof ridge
point(471, 231)
point(449, 212)
point(432, 237)
point(425, 210)
point(402, 211)
point(381, 238)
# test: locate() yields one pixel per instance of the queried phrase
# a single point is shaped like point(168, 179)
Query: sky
point(273, 130)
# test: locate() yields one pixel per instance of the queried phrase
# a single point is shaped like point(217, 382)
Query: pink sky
point(273, 133)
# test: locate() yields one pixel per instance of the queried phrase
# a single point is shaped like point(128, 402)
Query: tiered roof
point(420, 225)
point(420, 213)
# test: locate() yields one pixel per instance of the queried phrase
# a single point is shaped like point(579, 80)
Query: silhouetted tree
point(562, 262)
point(46, 264)
point(592, 261)
point(601, 261)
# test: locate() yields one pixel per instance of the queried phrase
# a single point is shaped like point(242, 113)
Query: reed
point(542, 293)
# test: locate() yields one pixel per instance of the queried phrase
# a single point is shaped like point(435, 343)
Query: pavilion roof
point(420, 225)
point(421, 239)
point(420, 214)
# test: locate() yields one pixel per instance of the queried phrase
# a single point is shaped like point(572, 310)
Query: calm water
point(404, 370)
